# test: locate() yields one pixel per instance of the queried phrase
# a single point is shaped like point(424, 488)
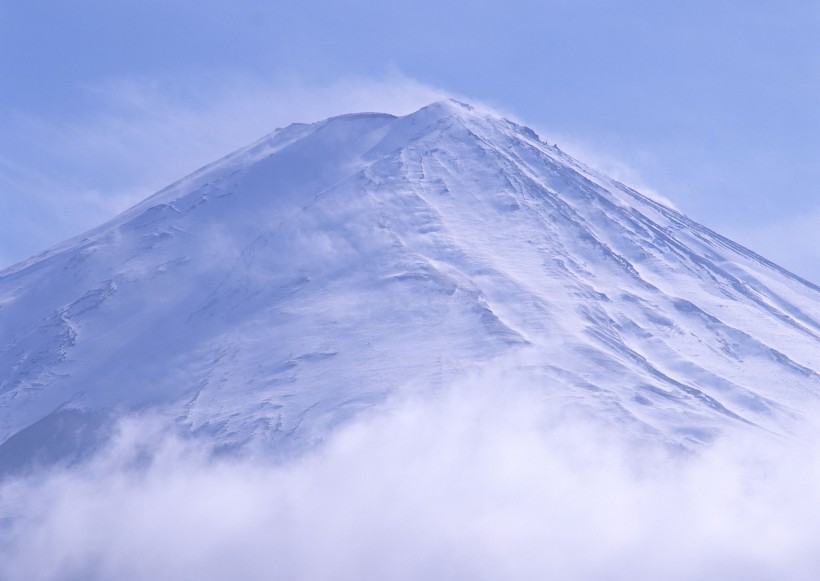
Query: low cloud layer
point(484, 480)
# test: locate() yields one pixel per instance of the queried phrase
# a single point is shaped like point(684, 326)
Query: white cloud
point(484, 480)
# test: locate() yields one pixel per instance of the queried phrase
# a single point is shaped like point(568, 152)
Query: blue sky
point(712, 105)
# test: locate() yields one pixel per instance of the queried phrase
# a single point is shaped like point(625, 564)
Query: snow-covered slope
point(280, 290)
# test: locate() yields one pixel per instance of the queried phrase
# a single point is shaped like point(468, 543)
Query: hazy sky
point(713, 105)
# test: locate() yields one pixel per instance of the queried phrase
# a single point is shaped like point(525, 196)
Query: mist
point(485, 479)
point(137, 134)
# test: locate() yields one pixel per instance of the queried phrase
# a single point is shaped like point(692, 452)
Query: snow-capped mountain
point(284, 288)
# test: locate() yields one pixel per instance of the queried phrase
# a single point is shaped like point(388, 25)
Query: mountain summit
point(279, 291)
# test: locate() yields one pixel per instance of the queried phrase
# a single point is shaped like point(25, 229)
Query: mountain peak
point(449, 106)
point(448, 109)
point(285, 288)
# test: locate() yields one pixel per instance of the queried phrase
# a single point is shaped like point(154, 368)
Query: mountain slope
point(286, 287)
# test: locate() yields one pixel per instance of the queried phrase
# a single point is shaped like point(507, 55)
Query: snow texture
point(277, 293)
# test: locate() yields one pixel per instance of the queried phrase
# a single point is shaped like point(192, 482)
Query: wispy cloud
point(485, 480)
point(136, 135)
point(791, 242)
point(609, 164)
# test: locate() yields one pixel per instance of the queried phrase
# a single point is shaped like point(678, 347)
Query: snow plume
point(136, 135)
point(141, 133)
point(483, 480)
point(791, 242)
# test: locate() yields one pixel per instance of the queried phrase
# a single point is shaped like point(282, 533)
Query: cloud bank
point(482, 480)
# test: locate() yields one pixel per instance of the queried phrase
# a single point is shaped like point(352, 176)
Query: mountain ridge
point(289, 285)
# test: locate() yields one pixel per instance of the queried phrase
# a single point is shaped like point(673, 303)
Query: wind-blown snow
point(284, 289)
point(429, 346)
